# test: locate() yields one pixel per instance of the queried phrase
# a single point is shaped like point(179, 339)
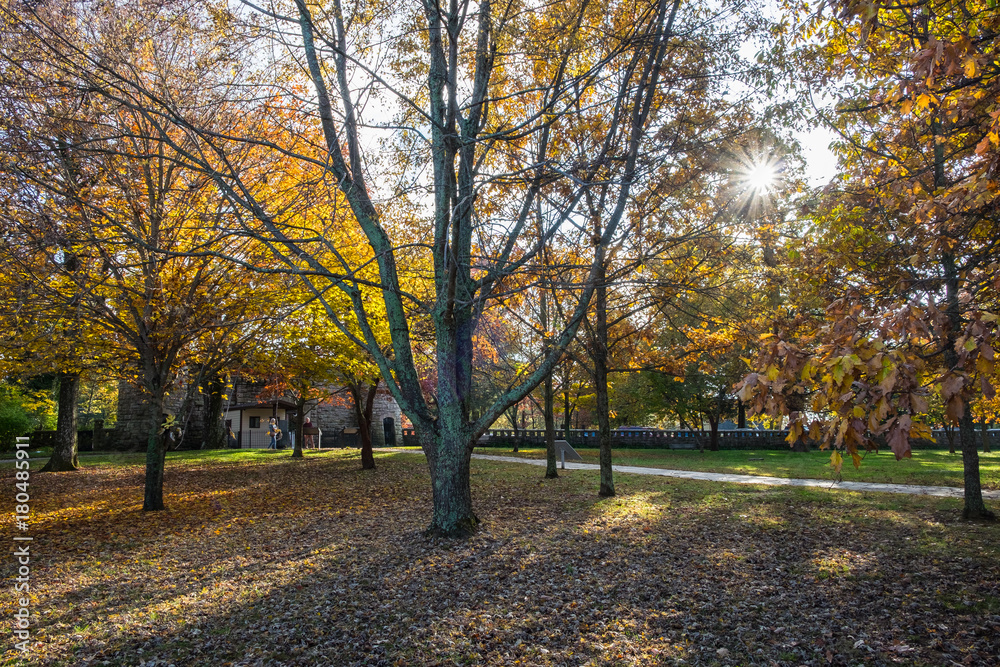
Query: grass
point(263, 559)
point(926, 467)
point(208, 456)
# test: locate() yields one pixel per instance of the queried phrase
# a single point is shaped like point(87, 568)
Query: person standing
point(308, 439)
point(274, 432)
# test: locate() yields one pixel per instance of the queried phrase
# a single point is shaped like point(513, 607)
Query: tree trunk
point(64, 454)
point(548, 399)
point(513, 422)
point(949, 433)
point(985, 429)
point(156, 455)
point(363, 408)
point(449, 456)
point(215, 429)
point(975, 508)
point(714, 419)
point(741, 419)
point(300, 407)
point(713, 433)
point(600, 351)
point(550, 429)
point(566, 414)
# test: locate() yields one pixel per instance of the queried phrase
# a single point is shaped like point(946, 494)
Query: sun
point(761, 178)
point(756, 179)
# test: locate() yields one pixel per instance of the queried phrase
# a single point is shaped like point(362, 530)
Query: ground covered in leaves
point(265, 560)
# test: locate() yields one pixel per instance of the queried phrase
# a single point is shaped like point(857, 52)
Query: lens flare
point(762, 177)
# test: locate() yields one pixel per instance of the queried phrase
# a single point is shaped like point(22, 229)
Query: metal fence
point(631, 438)
point(739, 439)
point(253, 439)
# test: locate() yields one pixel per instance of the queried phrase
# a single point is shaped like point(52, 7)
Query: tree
point(312, 361)
point(44, 334)
point(486, 96)
point(111, 219)
point(905, 257)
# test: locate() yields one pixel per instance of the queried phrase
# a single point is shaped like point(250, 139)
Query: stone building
point(246, 413)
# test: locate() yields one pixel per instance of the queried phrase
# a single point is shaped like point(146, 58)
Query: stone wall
point(334, 415)
point(135, 419)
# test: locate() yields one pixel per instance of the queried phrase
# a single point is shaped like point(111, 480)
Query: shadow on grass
point(290, 564)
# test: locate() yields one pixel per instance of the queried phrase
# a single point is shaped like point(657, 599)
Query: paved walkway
point(941, 491)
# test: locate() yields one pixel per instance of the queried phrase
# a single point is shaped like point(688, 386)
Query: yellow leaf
point(970, 67)
point(836, 460)
point(906, 106)
point(923, 101)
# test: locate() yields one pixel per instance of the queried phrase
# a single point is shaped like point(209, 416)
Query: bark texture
point(156, 454)
point(600, 355)
point(64, 454)
point(450, 463)
point(975, 508)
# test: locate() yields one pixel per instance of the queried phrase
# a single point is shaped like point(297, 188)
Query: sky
point(821, 164)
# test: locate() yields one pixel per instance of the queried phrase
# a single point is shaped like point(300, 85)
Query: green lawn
point(927, 467)
point(208, 456)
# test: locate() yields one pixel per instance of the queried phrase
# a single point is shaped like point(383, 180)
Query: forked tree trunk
point(64, 454)
point(949, 433)
point(364, 406)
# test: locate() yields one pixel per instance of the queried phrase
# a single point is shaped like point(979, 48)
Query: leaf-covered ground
point(263, 560)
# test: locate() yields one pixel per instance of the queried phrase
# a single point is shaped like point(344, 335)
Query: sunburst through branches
point(758, 176)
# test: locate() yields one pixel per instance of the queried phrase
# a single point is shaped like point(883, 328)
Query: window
point(255, 422)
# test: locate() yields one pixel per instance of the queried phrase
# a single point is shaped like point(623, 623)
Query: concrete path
point(941, 491)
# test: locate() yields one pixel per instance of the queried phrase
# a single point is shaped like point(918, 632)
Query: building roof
point(282, 403)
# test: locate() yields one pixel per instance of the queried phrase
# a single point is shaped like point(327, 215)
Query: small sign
point(565, 451)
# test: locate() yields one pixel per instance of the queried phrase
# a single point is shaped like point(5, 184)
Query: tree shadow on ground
point(323, 564)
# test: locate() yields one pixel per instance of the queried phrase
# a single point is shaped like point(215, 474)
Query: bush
point(22, 412)
point(14, 421)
